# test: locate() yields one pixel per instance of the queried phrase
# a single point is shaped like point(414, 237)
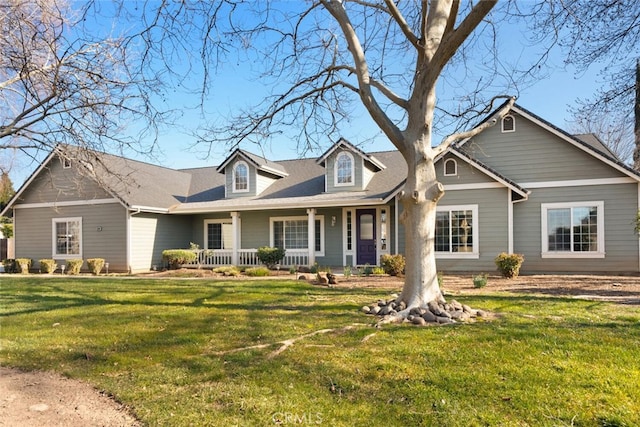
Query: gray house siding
point(152, 233)
point(103, 232)
point(358, 166)
point(56, 184)
point(228, 173)
point(467, 174)
point(621, 242)
point(533, 154)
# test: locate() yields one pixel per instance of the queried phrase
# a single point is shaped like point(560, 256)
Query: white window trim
point(233, 177)
point(54, 238)
point(455, 167)
point(206, 232)
point(475, 233)
point(298, 218)
point(353, 171)
point(502, 124)
point(600, 253)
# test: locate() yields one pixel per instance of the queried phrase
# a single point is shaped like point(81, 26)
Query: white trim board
point(67, 203)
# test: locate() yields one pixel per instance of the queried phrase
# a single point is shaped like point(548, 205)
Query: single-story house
point(522, 186)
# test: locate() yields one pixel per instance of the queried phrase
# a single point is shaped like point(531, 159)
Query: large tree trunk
point(419, 200)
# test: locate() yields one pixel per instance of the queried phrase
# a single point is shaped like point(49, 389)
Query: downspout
point(130, 213)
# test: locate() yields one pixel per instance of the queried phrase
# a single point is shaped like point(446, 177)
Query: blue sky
point(233, 88)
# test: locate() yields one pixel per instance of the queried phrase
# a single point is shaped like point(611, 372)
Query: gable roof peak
point(344, 144)
point(257, 161)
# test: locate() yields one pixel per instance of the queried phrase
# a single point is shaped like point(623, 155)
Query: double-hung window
point(573, 230)
point(293, 233)
point(456, 231)
point(219, 234)
point(67, 238)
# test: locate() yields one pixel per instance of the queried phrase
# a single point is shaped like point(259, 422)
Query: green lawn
point(171, 349)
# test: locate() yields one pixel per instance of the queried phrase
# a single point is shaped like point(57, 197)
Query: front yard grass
point(194, 352)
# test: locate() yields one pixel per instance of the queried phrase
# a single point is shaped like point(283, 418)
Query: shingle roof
point(302, 187)
point(137, 184)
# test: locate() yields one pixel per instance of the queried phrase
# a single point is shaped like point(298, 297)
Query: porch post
point(311, 236)
point(235, 238)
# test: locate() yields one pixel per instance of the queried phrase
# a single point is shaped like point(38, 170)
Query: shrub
point(95, 265)
point(176, 257)
point(23, 265)
point(480, 280)
point(257, 271)
point(9, 265)
point(347, 271)
point(367, 270)
point(270, 256)
point(228, 270)
point(74, 266)
point(378, 271)
point(393, 265)
point(48, 266)
point(509, 264)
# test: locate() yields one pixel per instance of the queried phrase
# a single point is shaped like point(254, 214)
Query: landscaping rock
point(429, 316)
point(435, 312)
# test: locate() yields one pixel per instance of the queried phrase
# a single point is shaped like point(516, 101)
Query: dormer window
point(508, 124)
point(344, 170)
point(450, 167)
point(240, 177)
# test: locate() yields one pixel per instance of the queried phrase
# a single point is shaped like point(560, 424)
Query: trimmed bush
point(48, 266)
point(95, 265)
point(10, 265)
point(23, 265)
point(257, 271)
point(228, 270)
point(176, 257)
point(74, 266)
point(479, 280)
point(270, 256)
point(509, 264)
point(393, 265)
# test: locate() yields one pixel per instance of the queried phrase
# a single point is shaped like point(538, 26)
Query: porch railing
point(246, 257)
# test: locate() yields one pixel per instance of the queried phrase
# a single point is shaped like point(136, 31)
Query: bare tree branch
point(451, 139)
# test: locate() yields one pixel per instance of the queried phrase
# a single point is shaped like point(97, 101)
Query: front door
point(366, 236)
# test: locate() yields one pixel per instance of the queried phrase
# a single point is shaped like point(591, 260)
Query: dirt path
point(45, 399)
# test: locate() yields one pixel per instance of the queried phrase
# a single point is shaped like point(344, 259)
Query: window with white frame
point(218, 234)
point(344, 169)
point(67, 237)
point(573, 230)
point(450, 167)
point(508, 124)
point(293, 233)
point(456, 230)
point(240, 177)
point(66, 163)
